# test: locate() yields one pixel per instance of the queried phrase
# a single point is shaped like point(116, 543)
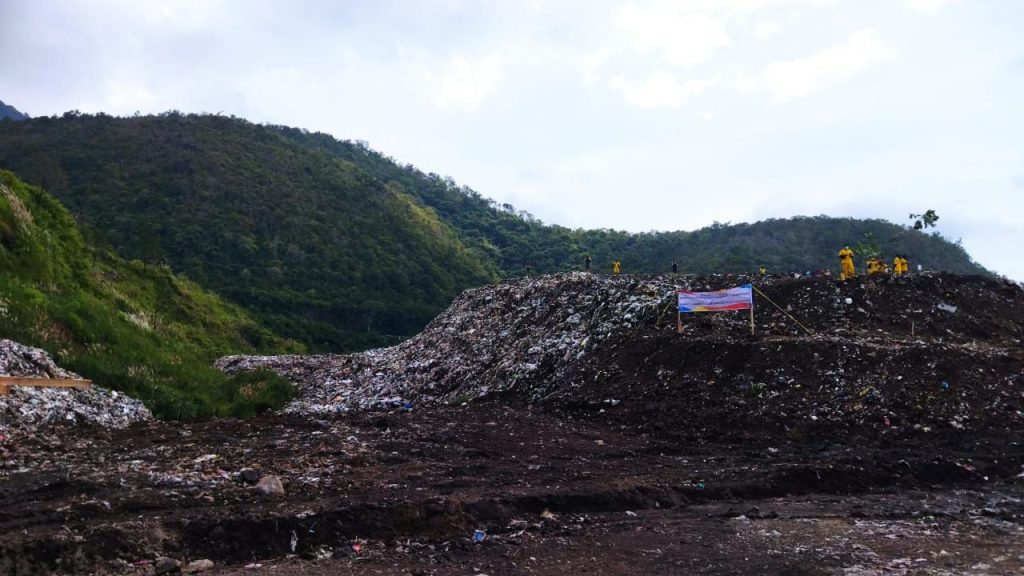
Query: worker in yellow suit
point(616, 267)
point(897, 265)
point(875, 266)
point(846, 269)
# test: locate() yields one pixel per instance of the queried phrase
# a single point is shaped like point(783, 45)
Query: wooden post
point(7, 381)
point(679, 322)
point(751, 318)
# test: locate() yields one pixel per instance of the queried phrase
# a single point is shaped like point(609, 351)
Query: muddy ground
point(886, 439)
point(555, 491)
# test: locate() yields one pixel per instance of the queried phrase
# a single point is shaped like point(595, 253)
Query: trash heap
point(523, 335)
point(856, 351)
point(26, 408)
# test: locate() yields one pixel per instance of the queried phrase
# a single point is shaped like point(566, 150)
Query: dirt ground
point(890, 441)
point(555, 492)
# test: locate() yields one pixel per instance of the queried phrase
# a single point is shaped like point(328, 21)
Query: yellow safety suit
point(897, 266)
point(875, 266)
point(616, 267)
point(846, 269)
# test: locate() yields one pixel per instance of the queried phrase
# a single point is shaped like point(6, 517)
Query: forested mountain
point(313, 245)
point(126, 325)
point(10, 112)
point(512, 238)
point(341, 247)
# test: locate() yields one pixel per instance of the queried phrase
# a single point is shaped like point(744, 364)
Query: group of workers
point(900, 265)
point(616, 266)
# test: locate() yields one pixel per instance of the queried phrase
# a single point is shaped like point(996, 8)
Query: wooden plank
point(7, 381)
point(4, 389)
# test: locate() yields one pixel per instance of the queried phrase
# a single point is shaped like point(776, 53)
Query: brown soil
point(411, 488)
point(862, 451)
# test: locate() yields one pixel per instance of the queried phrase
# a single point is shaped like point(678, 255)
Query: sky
point(634, 115)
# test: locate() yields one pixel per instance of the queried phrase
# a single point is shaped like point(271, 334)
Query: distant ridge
point(338, 246)
point(8, 111)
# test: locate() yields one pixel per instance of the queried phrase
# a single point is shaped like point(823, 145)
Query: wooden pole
point(679, 322)
point(7, 381)
point(751, 318)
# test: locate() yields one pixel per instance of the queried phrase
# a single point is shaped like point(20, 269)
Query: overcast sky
point(642, 115)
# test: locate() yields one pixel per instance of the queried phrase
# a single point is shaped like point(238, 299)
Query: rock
point(249, 476)
point(166, 565)
point(198, 566)
point(270, 485)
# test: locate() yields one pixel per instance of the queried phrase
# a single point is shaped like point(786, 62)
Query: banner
point(739, 298)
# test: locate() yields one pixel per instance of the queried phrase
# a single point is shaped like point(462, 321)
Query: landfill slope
point(560, 425)
point(930, 352)
point(26, 409)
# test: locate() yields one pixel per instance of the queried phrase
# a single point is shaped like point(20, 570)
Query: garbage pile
point(27, 408)
point(820, 347)
point(520, 335)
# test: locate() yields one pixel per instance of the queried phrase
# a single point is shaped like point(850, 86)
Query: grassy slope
point(126, 325)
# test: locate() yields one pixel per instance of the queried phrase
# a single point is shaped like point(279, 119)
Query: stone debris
point(166, 565)
point(270, 485)
point(198, 566)
point(26, 408)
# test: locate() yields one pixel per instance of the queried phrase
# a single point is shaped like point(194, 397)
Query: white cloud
point(127, 97)
point(766, 29)
point(681, 37)
point(659, 90)
point(791, 79)
point(468, 81)
point(460, 83)
point(929, 5)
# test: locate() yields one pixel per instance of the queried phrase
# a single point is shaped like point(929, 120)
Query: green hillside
point(315, 247)
point(512, 238)
point(126, 325)
point(338, 246)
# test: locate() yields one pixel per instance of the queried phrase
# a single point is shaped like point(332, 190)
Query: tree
point(868, 247)
point(926, 220)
